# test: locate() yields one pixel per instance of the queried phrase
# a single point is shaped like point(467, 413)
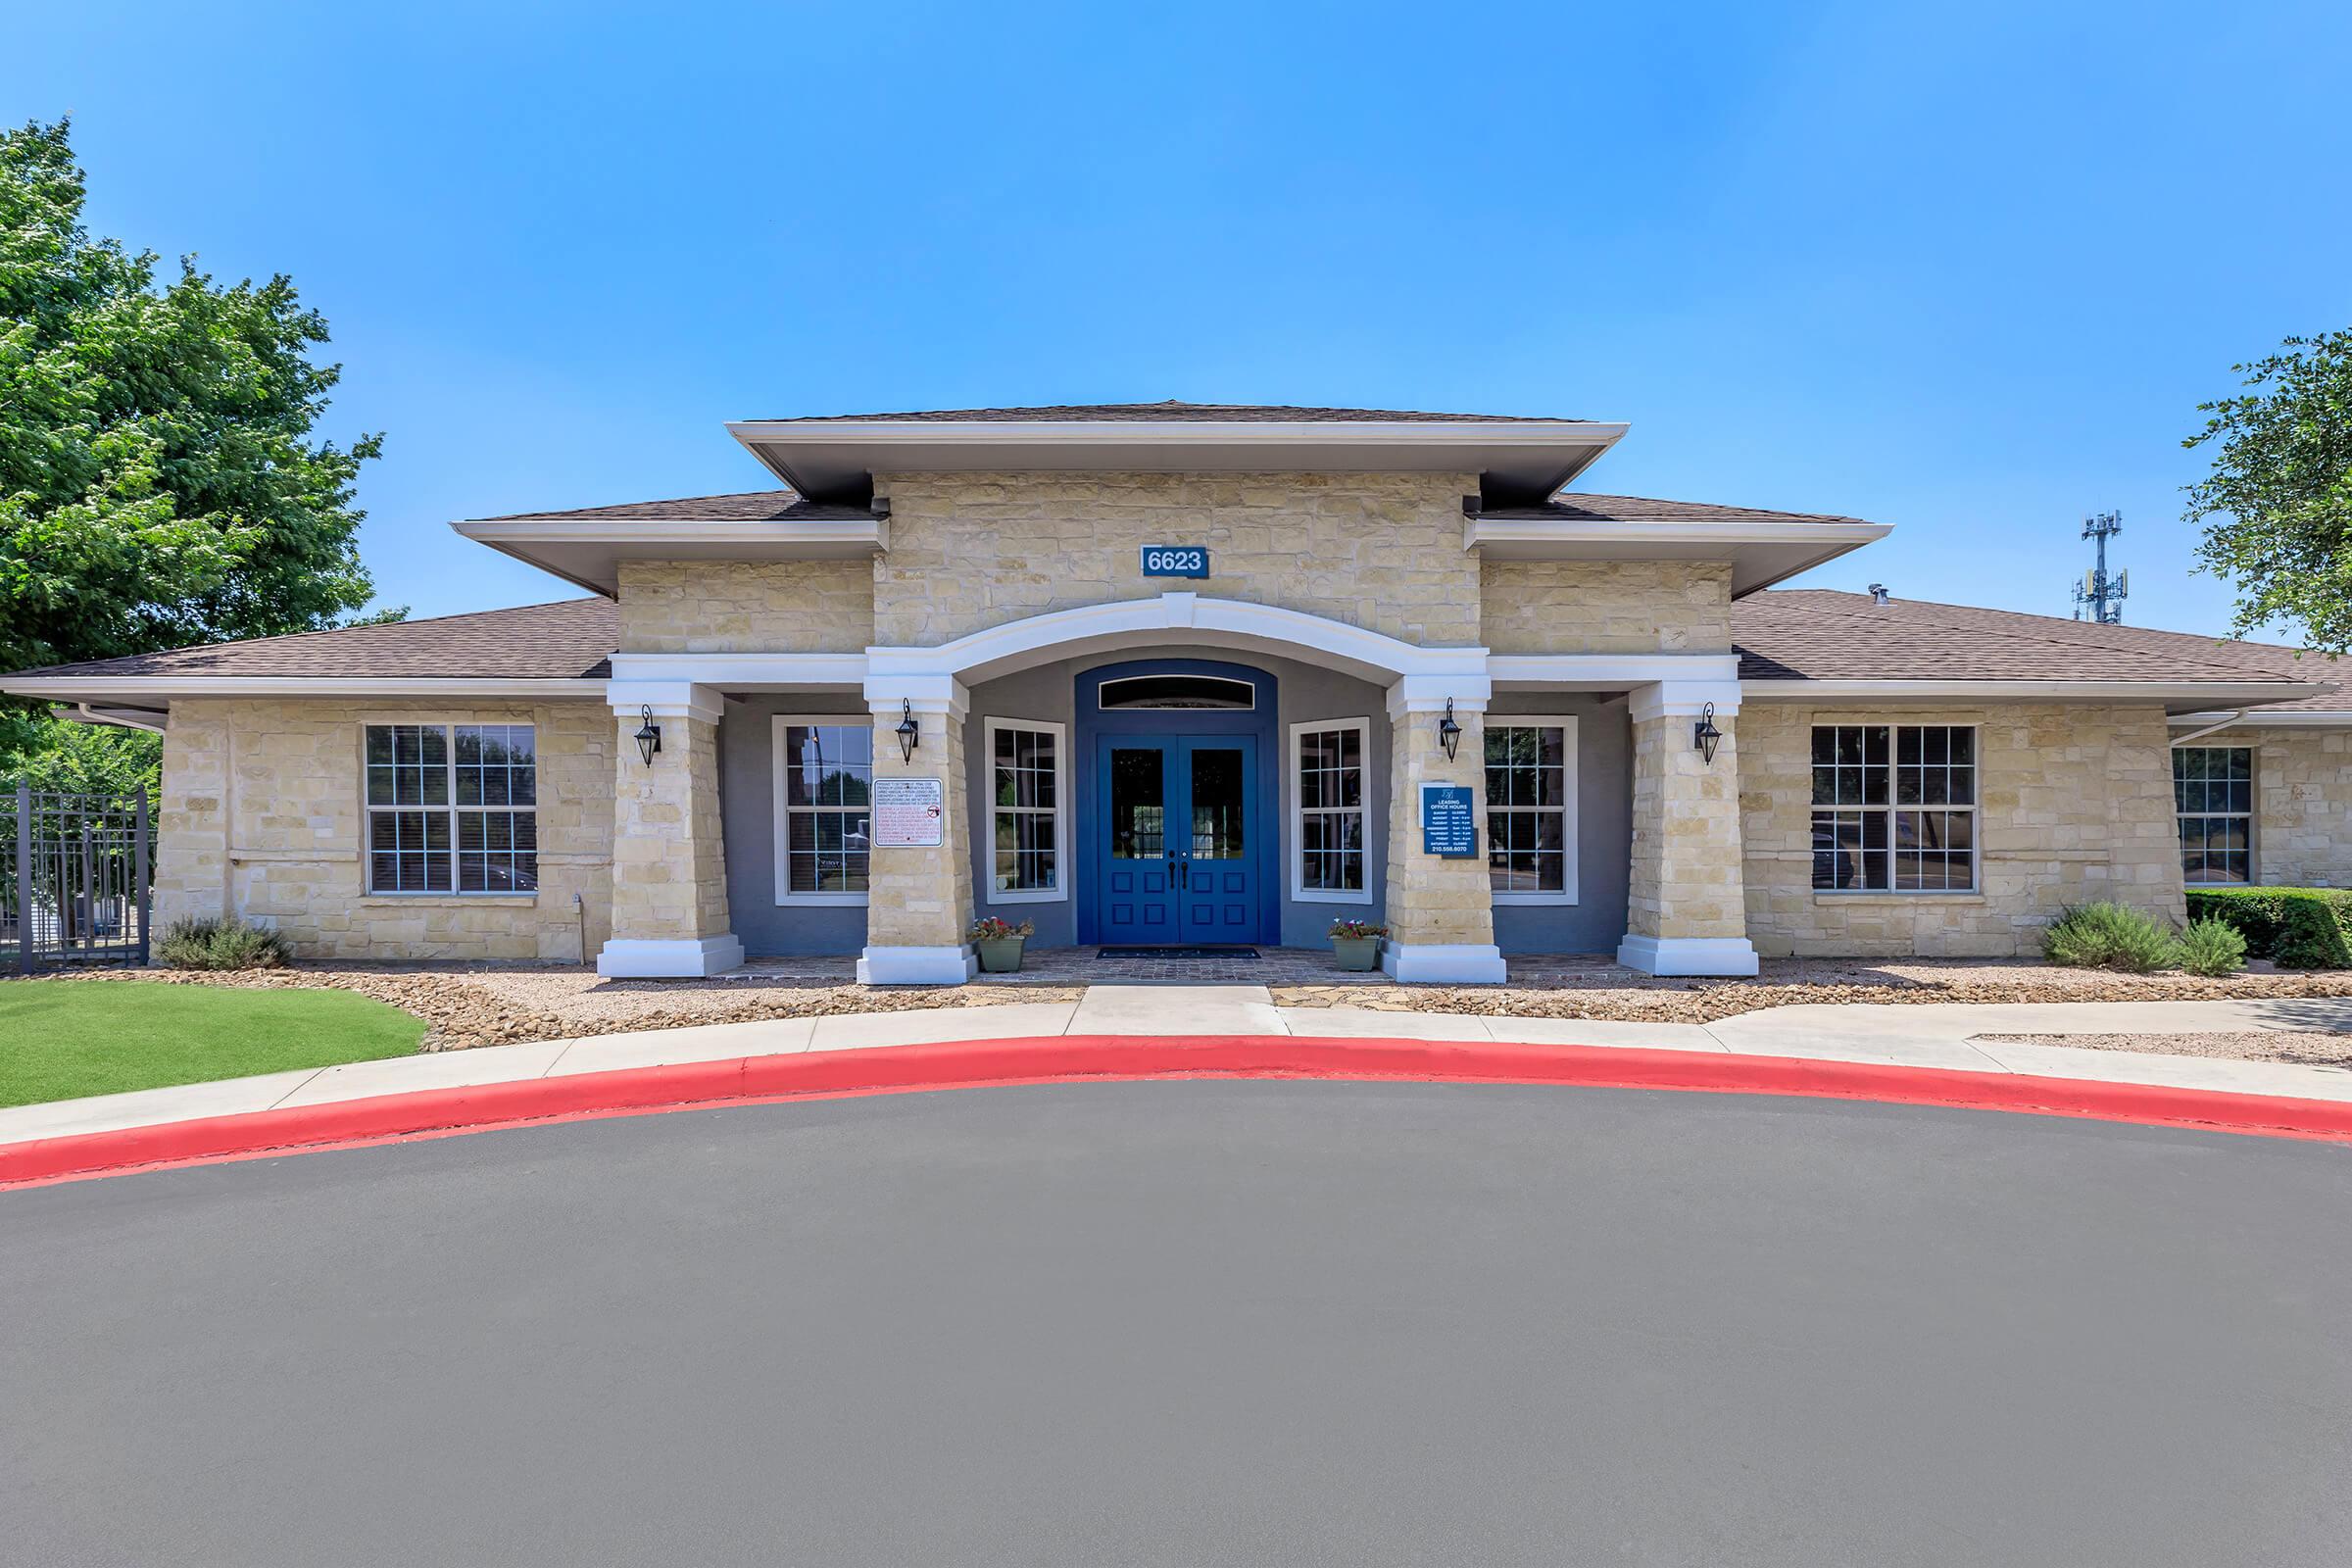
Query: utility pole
point(2103, 596)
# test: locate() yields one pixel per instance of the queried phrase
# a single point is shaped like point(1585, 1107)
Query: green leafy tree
point(2277, 506)
point(159, 481)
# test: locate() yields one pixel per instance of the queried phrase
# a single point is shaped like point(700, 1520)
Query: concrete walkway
point(1936, 1036)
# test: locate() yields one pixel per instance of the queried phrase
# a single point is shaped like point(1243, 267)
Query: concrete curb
point(917, 1068)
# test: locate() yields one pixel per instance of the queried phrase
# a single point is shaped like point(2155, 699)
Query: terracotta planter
point(1000, 957)
point(1357, 953)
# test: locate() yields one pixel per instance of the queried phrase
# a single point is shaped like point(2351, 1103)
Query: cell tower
point(2103, 596)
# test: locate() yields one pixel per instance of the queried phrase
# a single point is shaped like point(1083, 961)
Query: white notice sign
point(909, 812)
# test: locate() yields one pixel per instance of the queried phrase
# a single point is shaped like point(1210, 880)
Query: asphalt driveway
point(1191, 1324)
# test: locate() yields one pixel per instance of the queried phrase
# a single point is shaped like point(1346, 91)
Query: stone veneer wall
point(1379, 551)
point(669, 871)
point(2302, 798)
point(2075, 804)
point(260, 816)
point(923, 896)
point(1685, 872)
point(1606, 606)
point(734, 607)
point(1432, 901)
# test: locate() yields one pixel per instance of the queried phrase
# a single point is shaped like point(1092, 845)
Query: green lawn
point(63, 1039)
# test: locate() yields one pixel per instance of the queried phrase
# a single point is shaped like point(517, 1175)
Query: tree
point(2277, 506)
point(159, 482)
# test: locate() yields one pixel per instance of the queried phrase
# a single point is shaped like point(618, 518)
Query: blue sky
point(1964, 270)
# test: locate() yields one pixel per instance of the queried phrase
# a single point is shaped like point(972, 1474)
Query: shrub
point(228, 943)
point(2212, 948)
point(2296, 928)
point(2109, 935)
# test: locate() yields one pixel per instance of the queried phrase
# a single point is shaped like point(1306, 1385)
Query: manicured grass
point(63, 1039)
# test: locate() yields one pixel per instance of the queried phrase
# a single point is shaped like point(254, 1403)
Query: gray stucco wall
point(747, 805)
point(1604, 831)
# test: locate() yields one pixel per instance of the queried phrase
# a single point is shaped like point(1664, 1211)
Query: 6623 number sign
point(1175, 561)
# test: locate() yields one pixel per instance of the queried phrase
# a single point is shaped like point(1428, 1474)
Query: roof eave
point(588, 550)
point(145, 690)
point(2177, 697)
point(1761, 553)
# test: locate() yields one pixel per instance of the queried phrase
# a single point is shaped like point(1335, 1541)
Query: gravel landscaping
point(2303, 1048)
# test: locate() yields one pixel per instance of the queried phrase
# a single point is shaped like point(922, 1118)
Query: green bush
point(2109, 935)
point(228, 943)
point(2296, 928)
point(2212, 948)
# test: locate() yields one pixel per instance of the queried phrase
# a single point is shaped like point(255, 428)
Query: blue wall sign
point(1175, 561)
point(1448, 824)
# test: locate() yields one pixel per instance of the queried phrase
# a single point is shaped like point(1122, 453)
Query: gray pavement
point(1196, 1324)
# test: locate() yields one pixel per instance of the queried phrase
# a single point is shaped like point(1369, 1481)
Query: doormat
point(1177, 953)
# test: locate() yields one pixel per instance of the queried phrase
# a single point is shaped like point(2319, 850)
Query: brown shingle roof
point(568, 640)
point(750, 505)
point(1577, 506)
point(1228, 413)
point(1820, 634)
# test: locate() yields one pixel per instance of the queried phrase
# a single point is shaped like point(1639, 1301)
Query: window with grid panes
point(1025, 772)
point(452, 808)
point(1894, 808)
point(828, 780)
point(1327, 782)
point(1527, 808)
point(2213, 793)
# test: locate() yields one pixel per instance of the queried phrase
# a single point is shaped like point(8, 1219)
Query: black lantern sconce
point(1704, 736)
point(649, 735)
point(1450, 734)
point(907, 731)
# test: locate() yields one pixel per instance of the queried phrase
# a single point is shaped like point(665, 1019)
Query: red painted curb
point(967, 1064)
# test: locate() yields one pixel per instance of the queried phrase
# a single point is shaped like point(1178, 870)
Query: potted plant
point(1356, 944)
point(999, 943)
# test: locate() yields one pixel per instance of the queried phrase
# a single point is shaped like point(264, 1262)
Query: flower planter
point(1000, 957)
point(1357, 954)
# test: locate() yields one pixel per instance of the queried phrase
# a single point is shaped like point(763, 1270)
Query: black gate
point(73, 878)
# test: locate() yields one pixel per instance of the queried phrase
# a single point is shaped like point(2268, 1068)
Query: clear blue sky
point(1964, 270)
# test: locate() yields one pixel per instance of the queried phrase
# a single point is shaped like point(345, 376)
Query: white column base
point(1692, 955)
point(917, 966)
point(1442, 964)
point(681, 959)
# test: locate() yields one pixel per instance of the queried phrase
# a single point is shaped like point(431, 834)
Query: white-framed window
point(1330, 827)
point(1894, 808)
point(452, 808)
point(1531, 808)
point(1029, 792)
point(825, 765)
point(2213, 797)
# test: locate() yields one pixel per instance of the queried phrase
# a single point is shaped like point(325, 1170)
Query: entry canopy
point(1520, 462)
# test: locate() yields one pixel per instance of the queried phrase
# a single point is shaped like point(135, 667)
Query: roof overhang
point(2177, 697)
point(589, 550)
point(1520, 460)
point(137, 693)
point(1761, 554)
point(2295, 719)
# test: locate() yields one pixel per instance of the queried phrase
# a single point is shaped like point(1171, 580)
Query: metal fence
point(74, 878)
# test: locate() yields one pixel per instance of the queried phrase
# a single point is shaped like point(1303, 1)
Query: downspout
point(82, 714)
point(2210, 729)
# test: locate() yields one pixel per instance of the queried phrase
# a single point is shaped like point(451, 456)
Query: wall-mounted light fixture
point(1704, 736)
point(908, 730)
point(1450, 734)
point(649, 736)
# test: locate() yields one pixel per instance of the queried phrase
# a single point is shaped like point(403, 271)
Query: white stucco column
point(1685, 905)
point(669, 863)
point(919, 898)
point(1441, 911)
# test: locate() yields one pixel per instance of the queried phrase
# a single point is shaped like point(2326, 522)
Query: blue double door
point(1177, 856)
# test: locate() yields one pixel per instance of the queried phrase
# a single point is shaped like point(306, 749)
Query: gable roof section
point(1800, 634)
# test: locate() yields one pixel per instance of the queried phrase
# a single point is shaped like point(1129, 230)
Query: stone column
point(1441, 912)
point(669, 867)
point(920, 899)
point(193, 815)
point(1686, 907)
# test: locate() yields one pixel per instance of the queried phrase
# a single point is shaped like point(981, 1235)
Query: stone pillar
point(1685, 907)
point(920, 899)
point(669, 863)
point(1441, 912)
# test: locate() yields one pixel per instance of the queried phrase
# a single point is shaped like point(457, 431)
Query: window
point(1176, 691)
point(1026, 759)
point(825, 789)
point(1894, 808)
point(1328, 812)
point(2213, 793)
point(1531, 809)
point(452, 808)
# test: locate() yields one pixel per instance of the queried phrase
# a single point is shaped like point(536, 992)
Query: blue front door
point(1177, 861)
